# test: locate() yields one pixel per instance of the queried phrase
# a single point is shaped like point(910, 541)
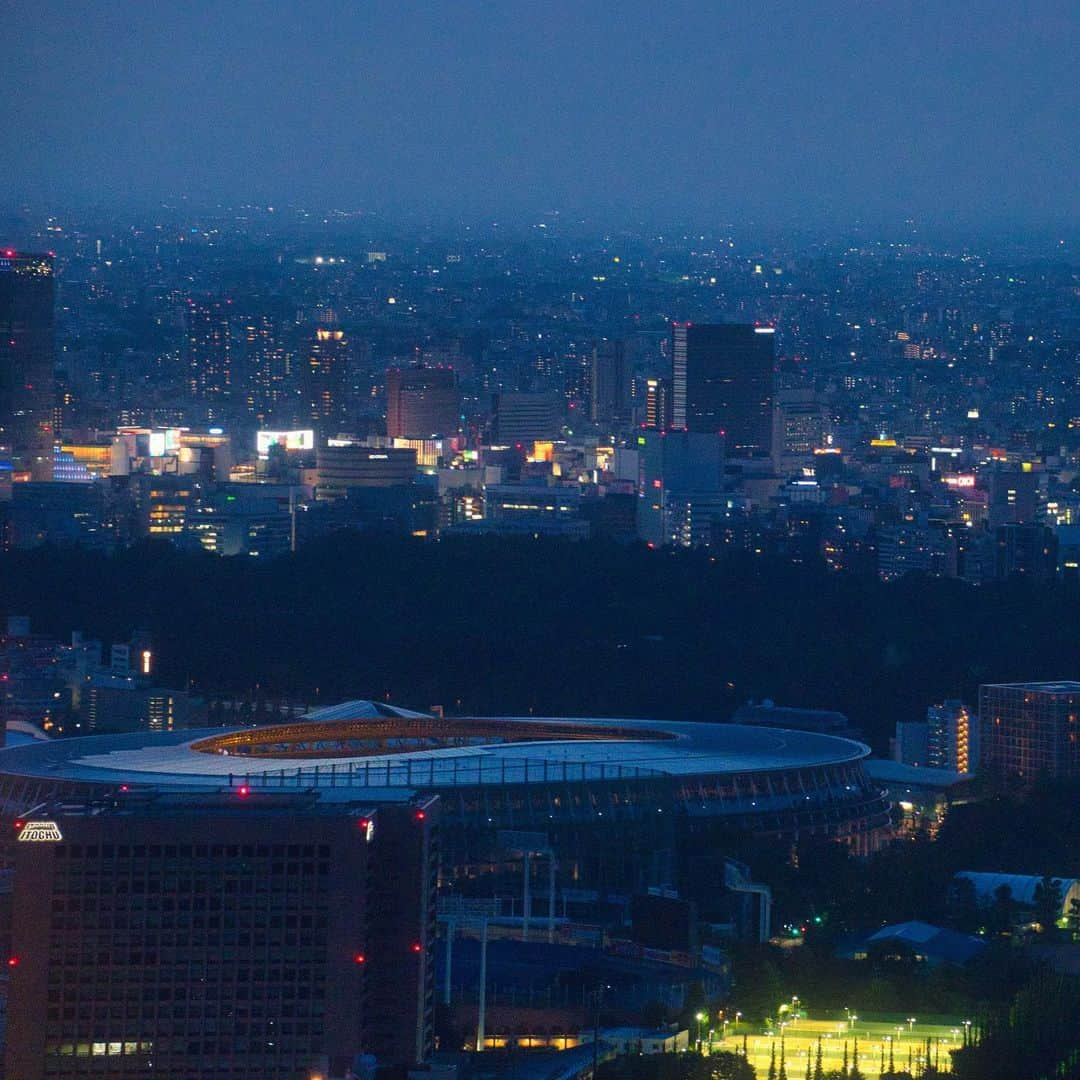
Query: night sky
point(807, 111)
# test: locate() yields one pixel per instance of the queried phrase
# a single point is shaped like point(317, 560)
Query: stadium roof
point(665, 748)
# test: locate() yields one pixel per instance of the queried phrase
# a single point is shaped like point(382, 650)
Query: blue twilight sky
point(816, 111)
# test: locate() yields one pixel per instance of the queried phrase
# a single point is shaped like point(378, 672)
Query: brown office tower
point(241, 934)
point(27, 376)
point(421, 402)
point(1030, 731)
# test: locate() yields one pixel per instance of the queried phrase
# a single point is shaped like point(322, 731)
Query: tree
point(819, 1071)
point(1048, 905)
point(728, 1066)
point(855, 1073)
point(965, 907)
point(772, 1062)
point(1074, 918)
point(1001, 911)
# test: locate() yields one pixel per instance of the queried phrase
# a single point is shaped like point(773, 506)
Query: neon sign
point(40, 832)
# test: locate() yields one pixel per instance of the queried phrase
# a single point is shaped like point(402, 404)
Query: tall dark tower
point(27, 299)
point(724, 380)
point(609, 390)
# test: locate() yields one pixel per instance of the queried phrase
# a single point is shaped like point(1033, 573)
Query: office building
point(27, 375)
point(678, 471)
point(1030, 730)
point(226, 933)
point(328, 365)
point(208, 355)
point(421, 402)
point(609, 390)
point(526, 418)
point(724, 381)
point(800, 425)
point(1014, 496)
point(339, 468)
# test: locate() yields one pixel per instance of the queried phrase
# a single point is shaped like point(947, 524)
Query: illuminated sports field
point(875, 1038)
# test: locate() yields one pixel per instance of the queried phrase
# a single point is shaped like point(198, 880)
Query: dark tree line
point(495, 625)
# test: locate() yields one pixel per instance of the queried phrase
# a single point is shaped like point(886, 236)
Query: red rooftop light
point(417, 947)
point(359, 958)
point(243, 791)
point(13, 961)
point(420, 815)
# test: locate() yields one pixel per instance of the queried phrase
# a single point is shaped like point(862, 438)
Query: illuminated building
point(328, 363)
point(1013, 496)
point(340, 468)
point(27, 379)
point(222, 932)
point(657, 403)
point(801, 424)
point(724, 381)
point(209, 355)
point(1030, 730)
point(421, 402)
point(951, 738)
point(268, 365)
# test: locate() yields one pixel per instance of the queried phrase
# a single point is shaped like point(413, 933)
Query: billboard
point(291, 440)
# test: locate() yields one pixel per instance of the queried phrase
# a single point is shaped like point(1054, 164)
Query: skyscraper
point(724, 380)
point(328, 363)
point(27, 299)
point(609, 390)
point(421, 402)
point(209, 356)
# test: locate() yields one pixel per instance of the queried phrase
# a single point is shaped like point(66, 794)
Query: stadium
point(616, 802)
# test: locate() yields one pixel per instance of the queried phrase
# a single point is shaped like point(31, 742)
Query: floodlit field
point(800, 1040)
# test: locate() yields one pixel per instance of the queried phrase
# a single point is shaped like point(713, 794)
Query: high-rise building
point(208, 353)
point(27, 351)
point(951, 737)
point(527, 417)
point(724, 381)
point(609, 391)
point(223, 934)
point(328, 368)
point(1014, 496)
point(680, 486)
point(658, 404)
point(268, 364)
point(801, 424)
point(421, 402)
point(1030, 730)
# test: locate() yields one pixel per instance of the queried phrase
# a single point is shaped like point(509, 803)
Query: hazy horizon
point(826, 114)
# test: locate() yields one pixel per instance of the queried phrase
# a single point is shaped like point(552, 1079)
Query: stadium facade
point(655, 786)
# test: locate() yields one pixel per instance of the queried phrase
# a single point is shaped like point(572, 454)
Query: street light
point(738, 1017)
point(700, 1021)
point(911, 1023)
